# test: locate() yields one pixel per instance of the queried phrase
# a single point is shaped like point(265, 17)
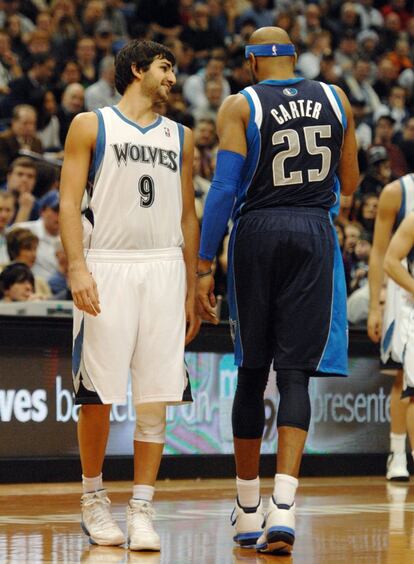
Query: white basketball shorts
point(140, 330)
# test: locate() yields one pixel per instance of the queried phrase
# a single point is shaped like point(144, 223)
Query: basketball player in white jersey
point(396, 201)
point(132, 268)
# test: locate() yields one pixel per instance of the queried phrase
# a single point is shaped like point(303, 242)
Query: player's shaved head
point(265, 35)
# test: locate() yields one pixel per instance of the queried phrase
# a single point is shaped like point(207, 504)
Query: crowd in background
point(57, 59)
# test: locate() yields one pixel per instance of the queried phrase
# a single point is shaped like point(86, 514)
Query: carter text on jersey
point(296, 109)
point(144, 154)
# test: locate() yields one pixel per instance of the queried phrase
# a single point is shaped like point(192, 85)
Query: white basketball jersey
point(135, 200)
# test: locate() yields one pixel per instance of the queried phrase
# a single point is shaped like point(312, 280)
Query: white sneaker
point(397, 467)
point(141, 534)
point(248, 524)
point(97, 521)
point(279, 533)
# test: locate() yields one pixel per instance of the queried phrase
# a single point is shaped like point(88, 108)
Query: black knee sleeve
point(248, 415)
point(294, 406)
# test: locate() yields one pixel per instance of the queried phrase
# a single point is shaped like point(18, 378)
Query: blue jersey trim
point(341, 106)
point(402, 211)
point(99, 148)
point(254, 144)
point(141, 129)
point(287, 81)
point(181, 138)
point(334, 211)
point(232, 300)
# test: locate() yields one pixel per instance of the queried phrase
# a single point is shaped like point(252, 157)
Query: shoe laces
point(141, 515)
point(98, 508)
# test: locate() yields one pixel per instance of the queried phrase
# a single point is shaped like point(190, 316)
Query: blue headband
point(270, 50)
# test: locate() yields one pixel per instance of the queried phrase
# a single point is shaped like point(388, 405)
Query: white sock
point(142, 491)
point(285, 489)
point(248, 492)
point(397, 443)
point(90, 485)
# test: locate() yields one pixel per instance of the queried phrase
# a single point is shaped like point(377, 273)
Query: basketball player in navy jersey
point(132, 268)
point(287, 145)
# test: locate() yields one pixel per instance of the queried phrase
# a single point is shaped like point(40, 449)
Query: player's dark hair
point(140, 53)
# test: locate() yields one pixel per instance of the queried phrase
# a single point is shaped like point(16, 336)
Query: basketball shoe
point(97, 521)
point(279, 532)
point(141, 533)
point(397, 467)
point(248, 524)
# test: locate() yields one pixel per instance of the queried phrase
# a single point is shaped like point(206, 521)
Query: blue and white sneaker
point(248, 524)
point(97, 521)
point(279, 532)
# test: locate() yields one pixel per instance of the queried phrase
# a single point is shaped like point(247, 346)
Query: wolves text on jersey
point(128, 151)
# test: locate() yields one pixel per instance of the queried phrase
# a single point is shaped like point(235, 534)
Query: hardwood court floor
point(339, 520)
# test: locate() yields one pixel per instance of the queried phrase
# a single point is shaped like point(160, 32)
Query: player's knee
point(294, 406)
point(151, 422)
point(248, 406)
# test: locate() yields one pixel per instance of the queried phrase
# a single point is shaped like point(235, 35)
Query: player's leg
point(149, 439)
point(248, 418)
point(397, 460)
point(102, 350)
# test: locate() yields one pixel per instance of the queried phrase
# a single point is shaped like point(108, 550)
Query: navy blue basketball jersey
point(294, 141)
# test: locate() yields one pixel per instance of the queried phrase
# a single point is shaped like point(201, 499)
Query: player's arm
point(191, 234)
point(388, 206)
point(401, 244)
point(79, 145)
point(232, 121)
point(348, 169)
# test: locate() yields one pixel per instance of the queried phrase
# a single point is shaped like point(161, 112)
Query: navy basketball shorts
point(287, 293)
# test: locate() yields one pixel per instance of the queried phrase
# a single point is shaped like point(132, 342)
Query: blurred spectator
point(69, 74)
point(349, 21)
point(184, 58)
point(13, 27)
point(258, 13)
point(310, 21)
point(383, 135)
point(346, 210)
point(86, 58)
point(66, 28)
point(378, 173)
point(353, 232)
point(397, 7)
point(162, 17)
point(22, 247)
point(16, 283)
point(47, 230)
point(38, 43)
point(59, 281)
point(328, 70)
point(395, 107)
point(48, 125)
point(308, 63)
point(367, 212)
point(21, 180)
point(407, 143)
point(116, 18)
point(29, 89)
point(357, 85)
point(194, 86)
point(214, 95)
point(92, 14)
point(104, 39)
point(9, 8)
point(359, 269)
point(346, 54)
point(240, 74)
point(371, 18)
point(387, 76)
point(201, 185)
point(368, 41)
point(103, 92)
point(177, 109)
point(340, 232)
point(72, 104)
point(390, 32)
point(20, 136)
point(9, 64)
point(363, 130)
point(6, 214)
point(200, 34)
point(205, 139)
point(400, 57)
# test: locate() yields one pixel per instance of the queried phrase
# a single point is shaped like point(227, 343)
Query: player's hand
point(206, 300)
point(84, 291)
point(374, 325)
point(193, 319)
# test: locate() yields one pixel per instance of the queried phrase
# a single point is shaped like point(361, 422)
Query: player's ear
point(136, 71)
